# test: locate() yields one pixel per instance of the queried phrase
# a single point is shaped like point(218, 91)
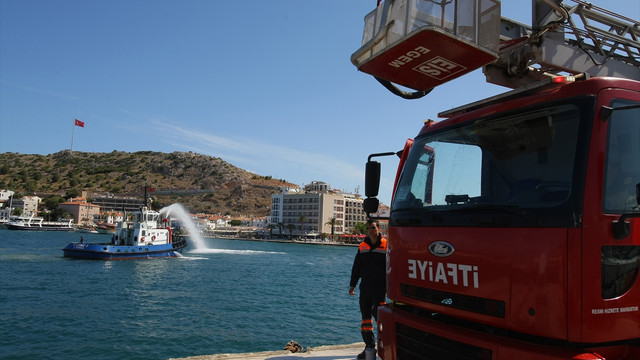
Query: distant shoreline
point(285, 241)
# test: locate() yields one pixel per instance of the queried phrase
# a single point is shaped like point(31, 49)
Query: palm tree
point(290, 227)
point(360, 228)
point(332, 222)
point(270, 227)
point(280, 226)
point(302, 219)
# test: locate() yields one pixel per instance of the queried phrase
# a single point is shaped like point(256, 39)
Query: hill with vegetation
point(200, 183)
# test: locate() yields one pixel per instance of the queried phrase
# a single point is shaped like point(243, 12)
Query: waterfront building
point(83, 213)
point(109, 217)
point(115, 203)
point(5, 195)
point(28, 204)
point(353, 211)
point(218, 222)
point(306, 212)
point(6, 205)
point(259, 222)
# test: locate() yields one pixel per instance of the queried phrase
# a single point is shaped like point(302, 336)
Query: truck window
point(622, 171)
point(524, 160)
point(452, 176)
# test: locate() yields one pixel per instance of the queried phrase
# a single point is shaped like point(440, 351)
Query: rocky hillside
point(201, 183)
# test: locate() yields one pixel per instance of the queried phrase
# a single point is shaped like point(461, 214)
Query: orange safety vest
point(382, 247)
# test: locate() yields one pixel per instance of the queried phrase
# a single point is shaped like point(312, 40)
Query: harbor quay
point(329, 352)
point(287, 241)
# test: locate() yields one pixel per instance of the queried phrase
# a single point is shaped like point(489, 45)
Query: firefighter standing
point(370, 266)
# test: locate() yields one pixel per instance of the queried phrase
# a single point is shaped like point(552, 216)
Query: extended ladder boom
point(567, 39)
point(421, 44)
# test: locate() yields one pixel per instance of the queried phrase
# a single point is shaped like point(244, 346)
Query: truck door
point(609, 266)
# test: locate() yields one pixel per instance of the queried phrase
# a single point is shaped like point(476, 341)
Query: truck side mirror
point(370, 205)
point(372, 179)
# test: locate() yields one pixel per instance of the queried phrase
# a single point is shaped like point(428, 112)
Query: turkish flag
point(79, 123)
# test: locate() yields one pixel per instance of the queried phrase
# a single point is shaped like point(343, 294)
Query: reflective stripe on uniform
point(382, 248)
point(367, 325)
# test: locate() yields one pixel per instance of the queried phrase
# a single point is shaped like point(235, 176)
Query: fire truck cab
point(514, 229)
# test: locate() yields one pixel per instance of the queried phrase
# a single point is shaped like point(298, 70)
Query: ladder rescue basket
point(420, 44)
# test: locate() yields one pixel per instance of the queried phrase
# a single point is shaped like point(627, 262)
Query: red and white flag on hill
point(79, 123)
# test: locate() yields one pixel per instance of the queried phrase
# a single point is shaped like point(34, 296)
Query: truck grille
point(463, 302)
point(414, 344)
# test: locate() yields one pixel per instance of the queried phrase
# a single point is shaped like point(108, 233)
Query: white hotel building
point(316, 204)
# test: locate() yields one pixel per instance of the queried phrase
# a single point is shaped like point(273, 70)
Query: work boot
point(363, 355)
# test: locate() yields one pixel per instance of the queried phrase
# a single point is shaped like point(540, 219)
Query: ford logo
point(441, 248)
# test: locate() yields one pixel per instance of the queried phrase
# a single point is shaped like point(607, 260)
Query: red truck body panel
point(519, 292)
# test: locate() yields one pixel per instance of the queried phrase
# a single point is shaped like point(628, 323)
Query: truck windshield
point(522, 161)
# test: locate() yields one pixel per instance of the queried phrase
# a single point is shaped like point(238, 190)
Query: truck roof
point(552, 88)
point(567, 85)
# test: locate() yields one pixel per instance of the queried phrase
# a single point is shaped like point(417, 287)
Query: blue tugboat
point(140, 238)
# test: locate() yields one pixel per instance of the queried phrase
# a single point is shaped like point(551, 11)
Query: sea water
point(229, 296)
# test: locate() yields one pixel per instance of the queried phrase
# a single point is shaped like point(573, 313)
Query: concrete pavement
point(330, 352)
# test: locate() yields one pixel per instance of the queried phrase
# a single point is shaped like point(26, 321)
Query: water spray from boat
point(178, 211)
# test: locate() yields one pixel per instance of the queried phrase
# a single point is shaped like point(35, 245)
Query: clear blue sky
point(265, 85)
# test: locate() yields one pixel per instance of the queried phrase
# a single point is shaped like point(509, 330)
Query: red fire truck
point(514, 228)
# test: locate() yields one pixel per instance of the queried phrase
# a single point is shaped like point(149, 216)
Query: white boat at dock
point(33, 223)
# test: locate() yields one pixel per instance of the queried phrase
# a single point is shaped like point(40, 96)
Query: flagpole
point(73, 130)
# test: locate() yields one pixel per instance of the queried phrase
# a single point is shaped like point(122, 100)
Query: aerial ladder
point(440, 40)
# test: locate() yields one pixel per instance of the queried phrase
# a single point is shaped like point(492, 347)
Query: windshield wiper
point(509, 209)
